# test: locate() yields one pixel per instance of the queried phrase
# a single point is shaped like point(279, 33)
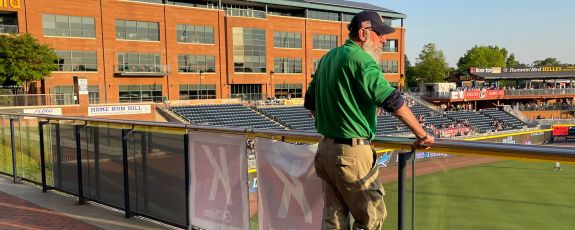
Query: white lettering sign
point(119, 110)
point(49, 111)
point(82, 86)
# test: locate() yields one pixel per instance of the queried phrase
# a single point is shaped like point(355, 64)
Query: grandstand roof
point(344, 6)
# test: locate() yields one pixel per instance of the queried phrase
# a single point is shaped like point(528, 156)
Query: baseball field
point(503, 194)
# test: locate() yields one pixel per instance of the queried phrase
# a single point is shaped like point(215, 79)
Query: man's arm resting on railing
point(394, 103)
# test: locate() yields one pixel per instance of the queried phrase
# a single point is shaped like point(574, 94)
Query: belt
point(357, 141)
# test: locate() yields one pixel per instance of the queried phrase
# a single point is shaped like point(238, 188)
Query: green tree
point(410, 74)
point(547, 62)
point(511, 62)
point(430, 65)
point(483, 57)
point(24, 60)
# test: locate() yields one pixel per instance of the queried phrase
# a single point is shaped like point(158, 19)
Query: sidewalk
point(25, 207)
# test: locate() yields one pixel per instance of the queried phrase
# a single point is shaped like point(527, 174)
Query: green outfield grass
point(500, 195)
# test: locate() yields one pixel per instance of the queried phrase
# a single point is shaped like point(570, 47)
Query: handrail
point(531, 152)
point(517, 151)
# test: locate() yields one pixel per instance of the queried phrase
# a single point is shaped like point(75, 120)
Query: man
point(343, 96)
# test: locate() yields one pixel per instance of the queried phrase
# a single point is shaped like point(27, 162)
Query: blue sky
point(530, 29)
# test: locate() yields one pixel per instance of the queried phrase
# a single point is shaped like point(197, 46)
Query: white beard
point(373, 49)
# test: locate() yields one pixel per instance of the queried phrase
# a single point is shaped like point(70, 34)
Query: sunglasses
point(377, 33)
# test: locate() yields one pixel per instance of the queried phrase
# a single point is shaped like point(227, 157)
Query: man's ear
point(362, 35)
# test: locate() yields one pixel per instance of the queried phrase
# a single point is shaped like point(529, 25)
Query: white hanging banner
point(218, 181)
point(291, 195)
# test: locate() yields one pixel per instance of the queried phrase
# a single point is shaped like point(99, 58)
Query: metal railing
point(147, 162)
point(141, 69)
point(538, 92)
point(245, 13)
point(37, 99)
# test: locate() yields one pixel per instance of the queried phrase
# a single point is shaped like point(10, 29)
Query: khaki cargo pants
point(350, 185)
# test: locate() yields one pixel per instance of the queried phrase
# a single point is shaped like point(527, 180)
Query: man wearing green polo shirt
point(344, 95)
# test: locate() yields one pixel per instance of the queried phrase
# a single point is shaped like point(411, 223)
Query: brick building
point(144, 50)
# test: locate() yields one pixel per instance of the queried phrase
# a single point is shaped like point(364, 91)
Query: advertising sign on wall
point(119, 110)
point(48, 111)
point(483, 94)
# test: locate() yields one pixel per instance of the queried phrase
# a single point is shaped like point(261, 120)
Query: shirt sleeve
point(376, 88)
point(309, 101)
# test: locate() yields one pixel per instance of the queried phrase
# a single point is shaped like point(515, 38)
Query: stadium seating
point(298, 118)
point(505, 117)
point(231, 115)
point(293, 117)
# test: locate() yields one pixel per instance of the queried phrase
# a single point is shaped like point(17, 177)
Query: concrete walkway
point(24, 206)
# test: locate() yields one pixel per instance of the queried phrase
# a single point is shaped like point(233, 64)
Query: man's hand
point(423, 140)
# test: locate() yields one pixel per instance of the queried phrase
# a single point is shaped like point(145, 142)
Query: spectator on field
point(347, 87)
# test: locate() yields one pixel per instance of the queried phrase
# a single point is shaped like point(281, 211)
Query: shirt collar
point(351, 43)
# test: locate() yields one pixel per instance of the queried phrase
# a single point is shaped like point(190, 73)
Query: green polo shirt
point(348, 86)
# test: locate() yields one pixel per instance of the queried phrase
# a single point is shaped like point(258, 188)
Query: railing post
point(42, 155)
point(12, 143)
point(401, 173)
point(127, 211)
point(58, 182)
point(77, 129)
point(187, 177)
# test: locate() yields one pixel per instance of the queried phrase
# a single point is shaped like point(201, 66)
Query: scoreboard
point(563, 133)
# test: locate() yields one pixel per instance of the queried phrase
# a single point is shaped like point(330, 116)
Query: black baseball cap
point(369, 19)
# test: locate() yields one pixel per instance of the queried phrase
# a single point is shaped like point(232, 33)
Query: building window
point(389, 67)
point(387, 21)
point(139, 62)
point(77, 61)
point(287, 65)
point(195, 63)
point(137, 30)
point(324, 42)
point(287, 40)
point(139, 93)
point(314, 65)
point(9, 23)
point(195, 34)
point(247, 92)
point(288, 91)
point(347, 17)
point(249, 50)
point(64, 95)
point(68, 26)
point(93, 94)
point(390, 46)
point(197, 91)
point(331, 16)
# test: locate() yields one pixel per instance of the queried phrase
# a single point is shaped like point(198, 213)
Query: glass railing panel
point(6, 146)
point(27, 139)
point(64, 158)
point(102, 165)
point(156, 170)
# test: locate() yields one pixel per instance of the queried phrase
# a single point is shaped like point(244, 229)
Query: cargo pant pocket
point(345, 168)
